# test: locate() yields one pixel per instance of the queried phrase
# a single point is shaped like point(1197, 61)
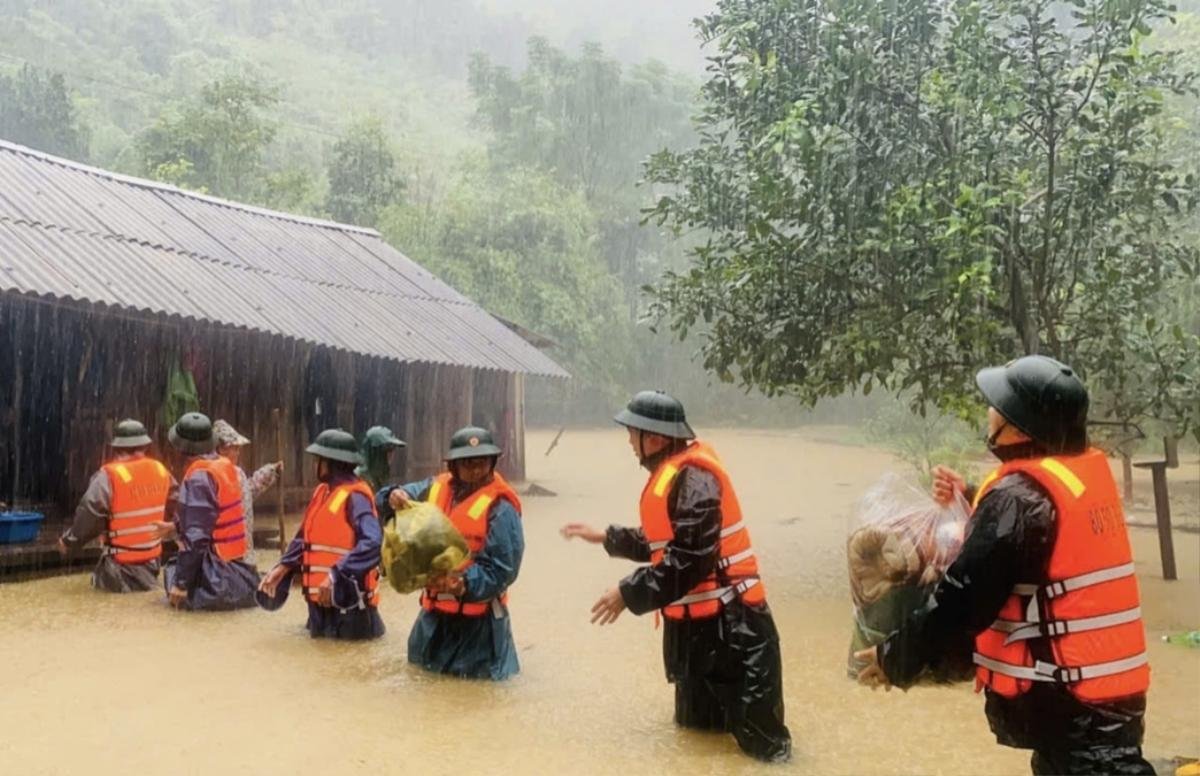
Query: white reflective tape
point(327, 548)
point(726, 594)
point(734, 559)
point(657, 545)
point(1049, 672)
point(1029, 630)
point(1063, 586)
point(136, 513)
point(707, 595)
point(313, 569)
point(137, 529)
point(114, 549)
point(1092, 578)
point(731, 530)
point(1114, 667)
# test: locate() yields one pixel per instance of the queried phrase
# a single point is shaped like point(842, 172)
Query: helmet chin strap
point(992, 439)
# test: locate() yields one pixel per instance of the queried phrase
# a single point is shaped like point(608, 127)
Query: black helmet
point(192, 434)
point(658, 413)
point(336, 445)
point(1042, 397)
point(472, 442)
point(130, 433)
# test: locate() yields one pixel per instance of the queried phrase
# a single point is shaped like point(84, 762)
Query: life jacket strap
point(1020, 631)
point(1041, 671)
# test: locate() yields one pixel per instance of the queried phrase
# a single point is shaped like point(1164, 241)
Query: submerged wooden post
point(275, 416)
point(1162, 506)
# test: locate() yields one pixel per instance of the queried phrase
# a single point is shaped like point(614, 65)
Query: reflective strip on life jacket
point(1018, 631)
point(1041, 671)
point(1082, 627)
point(724, 594)
point(329, 535)
point(139, 495)
point(735, 573)
point(471, 517)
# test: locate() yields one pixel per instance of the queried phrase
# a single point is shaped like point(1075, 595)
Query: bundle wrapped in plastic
point(901, 546)
point(418, 543)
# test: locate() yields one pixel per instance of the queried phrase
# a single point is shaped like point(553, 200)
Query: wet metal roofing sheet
point(73, 232)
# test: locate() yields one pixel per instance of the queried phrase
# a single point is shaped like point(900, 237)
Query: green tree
point(36, 110)
point(215, 143)
point(589, 124)
point(897, 193)
point(521, 245)
point(363, 179)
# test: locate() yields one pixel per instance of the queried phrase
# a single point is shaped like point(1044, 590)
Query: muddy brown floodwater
point(99, 684)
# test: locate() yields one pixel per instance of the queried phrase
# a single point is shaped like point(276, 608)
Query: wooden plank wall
point(69, 372)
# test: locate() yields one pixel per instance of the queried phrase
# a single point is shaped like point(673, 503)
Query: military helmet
point(472, 442)
point(336, 445)
point(1043, 398)
point(381, 437)
point(130, 433)
point(192, 434)
point(658, 413)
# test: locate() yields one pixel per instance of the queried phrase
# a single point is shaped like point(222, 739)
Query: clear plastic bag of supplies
point(418, 543)
point(900, 546)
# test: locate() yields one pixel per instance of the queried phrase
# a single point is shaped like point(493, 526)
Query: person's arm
point(263, 479)
point(1009, 538)
point(496, 566)
point(91, 515)
point(197, 517)
point(628, 543)
point(415, 491)
point(695, 513)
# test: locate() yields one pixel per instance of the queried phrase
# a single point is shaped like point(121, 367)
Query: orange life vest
point(1088, 611)
point(736, 572)
point(229, 533)
point(471, 517)
point(139, 499)
point(328, 536)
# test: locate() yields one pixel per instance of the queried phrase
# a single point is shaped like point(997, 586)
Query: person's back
point(209, 572)
point(124, 506)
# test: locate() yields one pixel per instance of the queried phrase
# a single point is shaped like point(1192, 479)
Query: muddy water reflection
point(103, 684)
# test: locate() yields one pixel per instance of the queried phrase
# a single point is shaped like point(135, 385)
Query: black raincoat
point(1010, 539)
point(726, 669)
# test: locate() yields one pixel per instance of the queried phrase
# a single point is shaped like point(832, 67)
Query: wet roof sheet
point(68, 231)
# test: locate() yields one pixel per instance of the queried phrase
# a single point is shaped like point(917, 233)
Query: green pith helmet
point(192, 434)
point(378, 437)
point(658, 413)
point(1042, 397)
point(130, 433)
point(378, 442)
point(472, 442)
point(336, 445)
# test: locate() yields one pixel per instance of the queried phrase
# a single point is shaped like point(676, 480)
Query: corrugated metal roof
point(74, 232)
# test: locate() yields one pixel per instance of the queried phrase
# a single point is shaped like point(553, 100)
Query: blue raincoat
point(471, 647)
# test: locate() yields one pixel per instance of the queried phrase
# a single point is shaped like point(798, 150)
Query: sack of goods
point(418, 543)
point(900, 547)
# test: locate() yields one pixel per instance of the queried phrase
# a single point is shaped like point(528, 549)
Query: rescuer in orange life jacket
point(720, 645)
point(210, 571)
point(335, 554)
point(124, 505)
point(1044, 584)
point(464, 627)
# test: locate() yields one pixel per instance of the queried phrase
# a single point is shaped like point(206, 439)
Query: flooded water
point(98, 684)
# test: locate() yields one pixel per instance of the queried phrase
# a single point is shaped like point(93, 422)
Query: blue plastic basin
point(19, 527)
